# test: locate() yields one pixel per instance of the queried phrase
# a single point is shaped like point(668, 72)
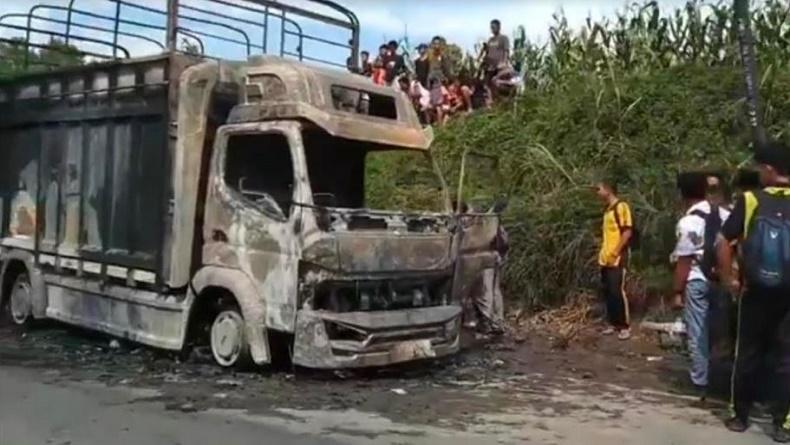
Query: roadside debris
point(230, 382)
point(115, 344)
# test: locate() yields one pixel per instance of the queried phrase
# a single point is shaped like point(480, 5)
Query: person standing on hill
point(760, 224)
point(694, 260)
point(422, 65)
point(379, 69)
point(394, 63)
point(617, 233)
point(438, 63)
point(497, 53)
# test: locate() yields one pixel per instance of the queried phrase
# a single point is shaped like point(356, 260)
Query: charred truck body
point(177, 200)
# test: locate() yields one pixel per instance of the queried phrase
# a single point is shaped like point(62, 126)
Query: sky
point(464, 22)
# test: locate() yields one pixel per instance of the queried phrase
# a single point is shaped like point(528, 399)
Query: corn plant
point(642, 37)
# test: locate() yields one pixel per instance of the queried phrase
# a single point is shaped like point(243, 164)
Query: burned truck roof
point(345, 105)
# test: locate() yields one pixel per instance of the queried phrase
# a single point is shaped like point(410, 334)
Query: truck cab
point(285, 212)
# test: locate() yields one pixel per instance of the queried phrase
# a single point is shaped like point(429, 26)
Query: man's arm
point(724, 260)
point(731, 231)
point(626, 226)
point(680, 278)
point(625, 238)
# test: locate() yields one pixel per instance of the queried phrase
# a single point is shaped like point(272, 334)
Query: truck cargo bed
point(90, 147)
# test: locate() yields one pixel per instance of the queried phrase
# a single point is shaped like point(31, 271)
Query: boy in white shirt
point(694, 270)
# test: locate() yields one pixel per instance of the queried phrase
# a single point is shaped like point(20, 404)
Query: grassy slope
point(552, 145)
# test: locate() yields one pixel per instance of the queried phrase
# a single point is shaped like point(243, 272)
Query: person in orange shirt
point(617, 233)
point(379, 68)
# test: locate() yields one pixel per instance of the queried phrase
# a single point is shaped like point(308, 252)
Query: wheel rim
point(226, 338)
point(20, 303)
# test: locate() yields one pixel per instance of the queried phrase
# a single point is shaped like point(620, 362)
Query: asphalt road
point(39, 408)
point(33, 412)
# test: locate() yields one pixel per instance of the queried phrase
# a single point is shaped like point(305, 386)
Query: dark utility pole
point(751, 74)
point(172, 25)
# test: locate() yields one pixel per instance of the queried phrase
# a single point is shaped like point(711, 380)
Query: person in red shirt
point(459, 97)
point(379, 66)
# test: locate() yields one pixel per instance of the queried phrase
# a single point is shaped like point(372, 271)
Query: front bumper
point(330, 340)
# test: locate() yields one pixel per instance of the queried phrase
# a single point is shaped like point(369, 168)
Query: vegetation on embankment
point(640, 123)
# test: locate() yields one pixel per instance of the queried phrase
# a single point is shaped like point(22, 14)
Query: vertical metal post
point(68, 21)
point(115, 30)
point(282, 35)
point(751, 74)
point(265, 29)
point(355, 46)
point(172, 25)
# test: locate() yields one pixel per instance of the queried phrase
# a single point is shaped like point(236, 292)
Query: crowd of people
point(730, 251)
point(436, 91)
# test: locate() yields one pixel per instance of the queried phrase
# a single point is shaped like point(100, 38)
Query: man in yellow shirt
point(617, 233)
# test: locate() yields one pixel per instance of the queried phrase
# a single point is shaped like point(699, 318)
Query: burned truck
point(180, 201)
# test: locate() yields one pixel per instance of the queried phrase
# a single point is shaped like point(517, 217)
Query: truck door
point(251, 222)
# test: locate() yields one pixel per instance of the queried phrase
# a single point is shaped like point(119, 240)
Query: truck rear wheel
point(20, 302)
point(229, 344)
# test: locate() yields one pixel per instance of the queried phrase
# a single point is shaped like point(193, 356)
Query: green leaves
point(642, 37)
point(14, 60)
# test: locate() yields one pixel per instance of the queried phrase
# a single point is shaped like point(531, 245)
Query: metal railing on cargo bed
point(326, 33)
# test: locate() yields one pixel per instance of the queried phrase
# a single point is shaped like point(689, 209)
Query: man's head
point(693, 187)
point(747, 180)
point(393, 46)
point(773, 162)
point(496, 27)
point(422, 49)
point(384, 50)
point(715, 191)
point(437, 43)
point(404, 82)
point(365, 56)
point(606, 189)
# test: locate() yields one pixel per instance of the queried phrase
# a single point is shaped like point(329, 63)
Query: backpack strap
point(617, 215)
point(751, 201)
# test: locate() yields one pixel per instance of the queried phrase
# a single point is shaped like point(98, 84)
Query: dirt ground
point(483, 379)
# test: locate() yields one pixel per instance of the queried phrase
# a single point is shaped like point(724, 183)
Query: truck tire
point(20, 301)
point(228, 339)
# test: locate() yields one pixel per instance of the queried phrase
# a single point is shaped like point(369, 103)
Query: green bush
point(551, 145)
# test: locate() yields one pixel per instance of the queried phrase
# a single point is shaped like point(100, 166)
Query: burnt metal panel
point(91, 147)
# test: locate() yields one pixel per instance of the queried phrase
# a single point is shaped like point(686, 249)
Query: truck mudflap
point(330, 340)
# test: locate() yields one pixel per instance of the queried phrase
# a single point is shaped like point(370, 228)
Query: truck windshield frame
point(345, 186)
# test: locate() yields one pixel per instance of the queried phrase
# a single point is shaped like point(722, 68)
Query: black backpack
point(766, 247)
point(712, 227)
point(635, 241)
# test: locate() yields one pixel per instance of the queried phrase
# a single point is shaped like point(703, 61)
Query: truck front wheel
point(20, 304)
point(229, 344)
